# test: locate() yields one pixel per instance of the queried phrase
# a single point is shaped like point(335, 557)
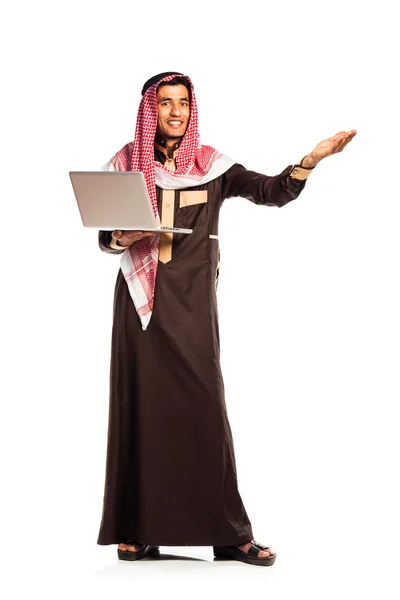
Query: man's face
point(173, 111)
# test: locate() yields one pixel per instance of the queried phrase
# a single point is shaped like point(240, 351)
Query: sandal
point(251, 556)
point(143, 551)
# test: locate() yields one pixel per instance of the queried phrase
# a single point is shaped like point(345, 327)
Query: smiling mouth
point(175, 123)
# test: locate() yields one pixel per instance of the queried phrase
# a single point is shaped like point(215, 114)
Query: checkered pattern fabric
point(193, 160)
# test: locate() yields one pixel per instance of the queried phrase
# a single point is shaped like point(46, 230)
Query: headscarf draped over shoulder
point(195, 164)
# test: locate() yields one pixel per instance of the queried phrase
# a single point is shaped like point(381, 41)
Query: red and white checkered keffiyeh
point(195, 164)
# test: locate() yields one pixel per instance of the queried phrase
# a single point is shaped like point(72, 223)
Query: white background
point(308, 294)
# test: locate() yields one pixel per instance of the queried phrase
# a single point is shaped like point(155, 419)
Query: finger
point(345, 144)
point(345, 141)
point(341, 137)
point(336, 146)
point(116, 234)
point(133, 236)
point(146, 234)
point(346, 133)
point(340, 146)
point(341, 142)
point(338, 136)
point(346, 136)
point(336, 141)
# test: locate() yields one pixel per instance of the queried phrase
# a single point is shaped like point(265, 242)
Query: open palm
point(332, 145)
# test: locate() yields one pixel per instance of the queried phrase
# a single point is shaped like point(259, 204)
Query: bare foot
point(128, 547)
point(262, 553)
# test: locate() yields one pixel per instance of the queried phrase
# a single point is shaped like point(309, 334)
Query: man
point(171, 474)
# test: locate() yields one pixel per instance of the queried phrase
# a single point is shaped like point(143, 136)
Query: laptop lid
point(111, 200)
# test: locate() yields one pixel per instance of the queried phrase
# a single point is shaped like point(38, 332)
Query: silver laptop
point(111, 200)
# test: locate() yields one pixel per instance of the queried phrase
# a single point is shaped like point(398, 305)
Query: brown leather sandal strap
point(253, 551)
point(259, 546)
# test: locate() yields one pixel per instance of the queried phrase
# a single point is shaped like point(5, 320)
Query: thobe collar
point(162, 147)
point(169, 162)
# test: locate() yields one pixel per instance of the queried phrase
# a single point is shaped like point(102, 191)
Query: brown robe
point(171, 475)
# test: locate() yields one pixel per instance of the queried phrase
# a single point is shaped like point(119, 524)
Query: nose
point(175, 110)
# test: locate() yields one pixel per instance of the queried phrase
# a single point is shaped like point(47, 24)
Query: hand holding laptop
point(127, 238)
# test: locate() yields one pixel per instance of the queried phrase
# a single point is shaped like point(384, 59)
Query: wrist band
point(299, 172)
point(300, 165)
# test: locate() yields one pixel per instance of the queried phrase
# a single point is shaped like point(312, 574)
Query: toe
point(128, 548)
point(261, 554)
point(265, 553)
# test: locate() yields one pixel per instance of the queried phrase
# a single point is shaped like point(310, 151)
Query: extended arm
point(280, 189)
point(267, 190)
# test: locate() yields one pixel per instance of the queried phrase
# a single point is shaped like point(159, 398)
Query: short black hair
point(155, 78)
point(178, 80)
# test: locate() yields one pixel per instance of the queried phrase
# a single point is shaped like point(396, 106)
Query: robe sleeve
point(276, 190)
point(104, 243)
